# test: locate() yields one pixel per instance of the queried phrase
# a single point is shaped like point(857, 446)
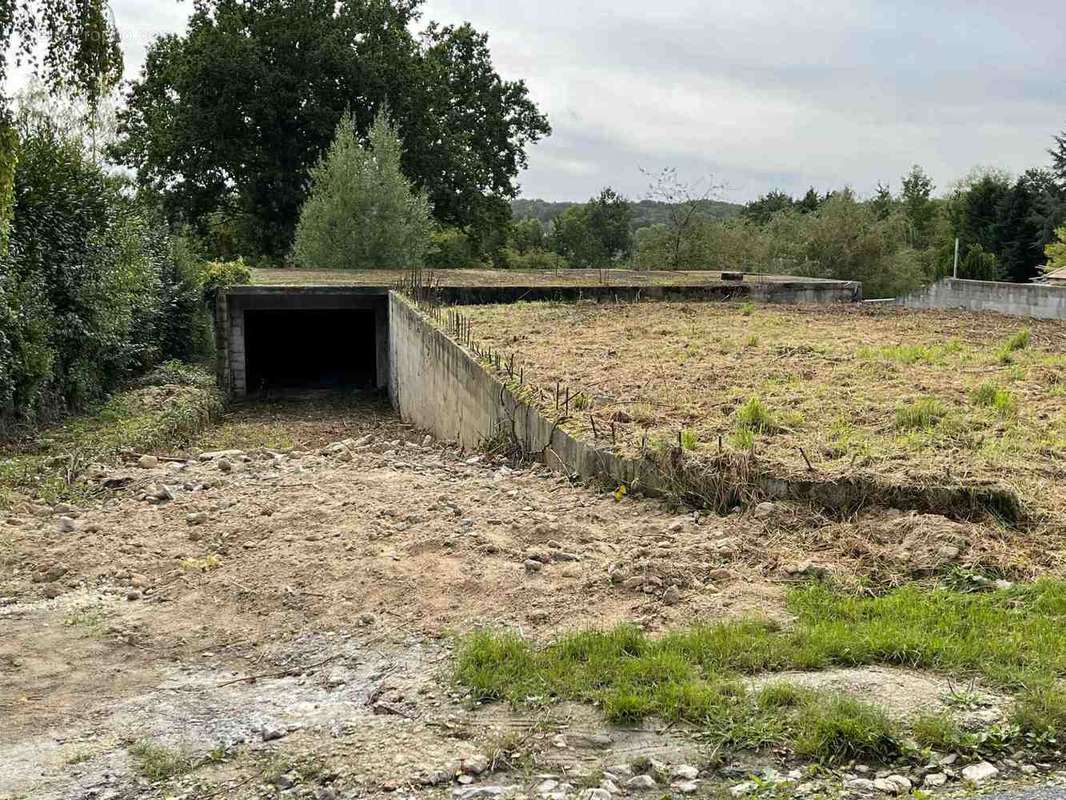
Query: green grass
point(992, 395)
point(922, 414)
point(1019, 341)
point(158, 763)
point(754, 416)
point(49, 466)
point(1013, 639)
point(910, 353)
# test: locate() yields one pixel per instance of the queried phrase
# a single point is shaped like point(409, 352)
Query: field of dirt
point(914, 397)
point(274, 612)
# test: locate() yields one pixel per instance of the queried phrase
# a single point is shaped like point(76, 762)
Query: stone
point(935, 779)
point(67, 525)
point(1029, 769)
point(475, 765)
point(285, 782)
point(641, 782)
point(483, 792)
point(427, 441)
point(893, 784)
point(196, 518)
point(685, 787)
point(743, 789)
point(595, 794)
point(270, 733)
point(860, 785)
point(609, 786)
point(217, 454)
point(979, 773)
point(764, 511)
point(620, 771)
point(684, 772)
point(532, 565)
point(672, 596)
point(546, 786)
point(160, 493)
point(225, 465)
point(147, 462)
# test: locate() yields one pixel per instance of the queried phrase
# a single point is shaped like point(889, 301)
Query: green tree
point(1058, 159)
point(362, 213)
point(234, 113)
point(1056, 250)
point(918, 206)
point(596, 234)
point(72, 45)
point(763, 210)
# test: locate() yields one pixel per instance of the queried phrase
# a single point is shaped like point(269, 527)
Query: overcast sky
point(760, 94)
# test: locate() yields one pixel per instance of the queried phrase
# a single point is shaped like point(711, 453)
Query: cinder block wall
point(1016, 299)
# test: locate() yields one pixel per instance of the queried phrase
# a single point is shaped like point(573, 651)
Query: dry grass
point(891, 392)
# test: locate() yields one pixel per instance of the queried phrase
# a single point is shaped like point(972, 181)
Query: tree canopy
point(362, 212)
point(233, 114)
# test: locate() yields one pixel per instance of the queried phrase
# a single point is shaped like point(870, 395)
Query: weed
point(688, 439)
point(937, 731)
point(752, 341)
point(754, 416)
point(1019, 341)
point(742, 439)
point(206, 564)
point(1041, 710)
point(921, 414)
point(156, 762)
point(839, 728)
point(747, 309)
point(991, 395)
point(781, 695)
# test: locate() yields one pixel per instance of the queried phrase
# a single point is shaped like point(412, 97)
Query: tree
point(1056, 250)
point(918, 206)
point(763, 210)
point(684, 205)
point(1058, 159)
point(362, 213)
point(596, 234)
point(233, 114)
point(73, 46)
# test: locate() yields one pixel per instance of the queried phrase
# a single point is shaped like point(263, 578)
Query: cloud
point(763, 93)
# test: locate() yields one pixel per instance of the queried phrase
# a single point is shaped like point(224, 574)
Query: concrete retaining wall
point(437, 385)
point(1015, 299)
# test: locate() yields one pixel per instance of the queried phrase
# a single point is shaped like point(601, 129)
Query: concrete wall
point(438, 386)
point(1015, 299)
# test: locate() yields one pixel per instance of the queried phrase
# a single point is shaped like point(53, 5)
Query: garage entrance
point(310, 350)
point(296, 337)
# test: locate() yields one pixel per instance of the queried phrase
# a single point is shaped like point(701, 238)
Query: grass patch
point(910, 354)
point(992, 395)
point(922, 414)
point(755, 417)
point(1019, 341)
point(1014, 639)
point(158, 763)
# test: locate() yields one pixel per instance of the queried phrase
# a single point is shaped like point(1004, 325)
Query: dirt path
point(278, 614)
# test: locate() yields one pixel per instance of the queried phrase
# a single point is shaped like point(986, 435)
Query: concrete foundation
point(1038, 301)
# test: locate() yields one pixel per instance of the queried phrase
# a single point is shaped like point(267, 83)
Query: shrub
point(91, 290)
point(217, 275)
point(362, 212)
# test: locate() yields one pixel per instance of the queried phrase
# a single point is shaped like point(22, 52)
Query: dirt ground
point(277, 607)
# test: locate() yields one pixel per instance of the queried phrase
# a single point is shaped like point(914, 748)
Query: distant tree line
point(1007, 229)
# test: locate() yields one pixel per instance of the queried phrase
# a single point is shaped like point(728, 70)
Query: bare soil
point(298, 634)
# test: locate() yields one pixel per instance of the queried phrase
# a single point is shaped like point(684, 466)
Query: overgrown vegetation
point(158, 763)
point(93, 288)
point(1013, 639)
point(169, 409)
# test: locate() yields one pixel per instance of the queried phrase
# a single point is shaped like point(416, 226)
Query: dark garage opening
point(310, 349)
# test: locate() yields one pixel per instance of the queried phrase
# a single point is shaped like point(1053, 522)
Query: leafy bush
point(91, 290)
point(362, 212)
point(216, 275)
point(451, 249)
